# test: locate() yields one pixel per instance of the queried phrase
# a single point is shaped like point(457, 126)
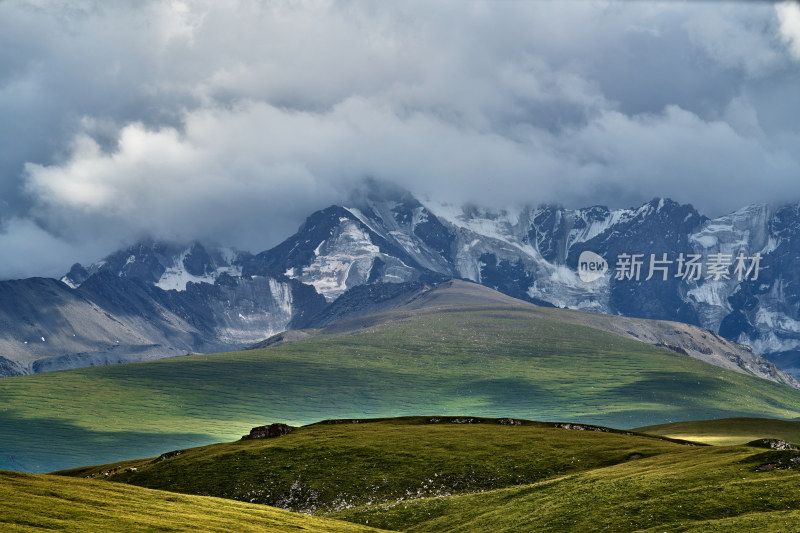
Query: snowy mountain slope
point(532, 253)
point(765, 313)
point(506, 250)
point(332, 252)
point(166, 265)
point(204, 285)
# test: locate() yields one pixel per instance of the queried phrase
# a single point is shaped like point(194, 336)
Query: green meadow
point(488, 361)
point(440, 474)
point(719, 489)
point(31, 503)
point(326, 466)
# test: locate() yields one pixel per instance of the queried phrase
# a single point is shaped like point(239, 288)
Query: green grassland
point(719, 489)
point(326, 466)
point(415, 475)
point(52, 503)
point(729, 430)
point(488, 361)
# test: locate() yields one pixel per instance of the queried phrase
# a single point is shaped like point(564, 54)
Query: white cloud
point(726, 36)
point(789, 16)
point(261, 164)
point(233, 121)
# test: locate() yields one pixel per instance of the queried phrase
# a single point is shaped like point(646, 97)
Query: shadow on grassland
point(55, 445)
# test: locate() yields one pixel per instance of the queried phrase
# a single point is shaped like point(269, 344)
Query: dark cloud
point(190, 119)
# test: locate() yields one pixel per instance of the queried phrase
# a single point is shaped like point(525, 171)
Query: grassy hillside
point(729, 430)
point(429, 474)
point(47, 503)
point(327, 466)
point(485, 361)
point(719, 489)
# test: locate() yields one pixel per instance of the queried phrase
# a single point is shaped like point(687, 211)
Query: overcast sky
point(232, 121)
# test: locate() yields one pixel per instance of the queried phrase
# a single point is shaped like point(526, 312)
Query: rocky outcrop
point(773, 444)
point(168, 455)
point(272, 430)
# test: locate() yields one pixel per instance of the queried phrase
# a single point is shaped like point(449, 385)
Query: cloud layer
point(190, 119)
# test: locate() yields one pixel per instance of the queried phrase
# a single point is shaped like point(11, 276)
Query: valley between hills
point(427, 406)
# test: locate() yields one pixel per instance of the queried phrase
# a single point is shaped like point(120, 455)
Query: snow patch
point(563, 287)
point(776, 321)
point(406, 242)
point(176, 277)
point(769, 342)
point(771, 246)
point(349, 252)
point(595, 228)
point(705, 241)
point(713, 293)
point(743, 230)
point(362, 218)
point(418, 216)
point(282, 294)
point(497, 225)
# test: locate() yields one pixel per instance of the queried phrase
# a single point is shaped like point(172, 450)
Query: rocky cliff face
point(150, 301)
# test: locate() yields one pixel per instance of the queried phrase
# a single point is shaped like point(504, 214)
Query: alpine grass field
point(432, 474)
point(490, 361)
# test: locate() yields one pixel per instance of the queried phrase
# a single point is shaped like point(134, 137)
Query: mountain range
point(157, 299)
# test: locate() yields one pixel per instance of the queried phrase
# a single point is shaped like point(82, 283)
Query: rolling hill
point(340, 464)
point(729, 430)
point(436, 474)
point(442, 355)
point(708, 489)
